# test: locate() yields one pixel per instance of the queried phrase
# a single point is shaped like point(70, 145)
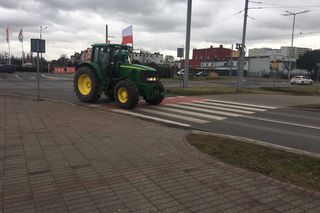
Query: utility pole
point(243, 48)
point(288, 13)
point(187, 65)
point(231, 61)
point(107, 34)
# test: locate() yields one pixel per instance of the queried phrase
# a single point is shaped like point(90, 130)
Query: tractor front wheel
point(157, 99)
point(126, 94)
point(87, 85)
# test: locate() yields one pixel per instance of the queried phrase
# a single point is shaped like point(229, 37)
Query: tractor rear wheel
point(87, 85)
point(126, 94)
point(158, 99)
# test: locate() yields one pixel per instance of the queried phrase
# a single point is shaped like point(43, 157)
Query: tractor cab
point(110, 58)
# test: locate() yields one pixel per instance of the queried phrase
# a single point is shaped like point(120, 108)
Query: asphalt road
point(269, 118)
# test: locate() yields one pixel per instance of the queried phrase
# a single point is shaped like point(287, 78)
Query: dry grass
point(290, 167)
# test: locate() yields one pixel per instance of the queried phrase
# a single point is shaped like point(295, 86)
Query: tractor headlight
point(152, 79)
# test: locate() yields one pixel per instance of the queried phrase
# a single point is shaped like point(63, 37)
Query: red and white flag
point(7, 34)
point(127, 35)
point(20, 37)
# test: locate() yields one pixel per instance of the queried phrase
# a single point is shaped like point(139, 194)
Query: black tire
point(94, 93)
point(158, 99)
point(110, 95)
point(132, 94)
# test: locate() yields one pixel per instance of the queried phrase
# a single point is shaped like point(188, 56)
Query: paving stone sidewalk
point(55, 157)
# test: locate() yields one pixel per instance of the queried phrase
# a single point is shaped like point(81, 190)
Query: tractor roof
point(111, 45)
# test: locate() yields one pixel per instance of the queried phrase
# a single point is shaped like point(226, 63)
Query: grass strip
point(310, 106)
point(301, 90)
point(290, 167)
point(295, 90)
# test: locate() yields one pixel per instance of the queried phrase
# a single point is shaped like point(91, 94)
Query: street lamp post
point(38, 73)
point(288, 13)
point(187, 65)
point(42, 28)
point(318, 65)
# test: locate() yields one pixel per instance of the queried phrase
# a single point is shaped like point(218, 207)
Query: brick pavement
point(56, 157)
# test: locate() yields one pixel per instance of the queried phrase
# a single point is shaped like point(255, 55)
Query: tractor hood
point(138, 67)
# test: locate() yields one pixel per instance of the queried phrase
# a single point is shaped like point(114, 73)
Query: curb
point(252, 141)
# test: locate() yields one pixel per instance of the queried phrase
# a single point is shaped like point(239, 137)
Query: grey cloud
point(75, 23)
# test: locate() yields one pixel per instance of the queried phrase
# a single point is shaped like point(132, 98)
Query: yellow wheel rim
point(122, 95)
point(84, 84)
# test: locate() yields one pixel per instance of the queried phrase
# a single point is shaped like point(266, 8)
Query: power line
point(229, 17)
point(290, 6)
point(284, 35)
point(271, 24)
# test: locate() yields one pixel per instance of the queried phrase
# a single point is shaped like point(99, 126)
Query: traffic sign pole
point(38, 72)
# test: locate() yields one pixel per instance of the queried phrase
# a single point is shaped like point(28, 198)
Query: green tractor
point(110, 72)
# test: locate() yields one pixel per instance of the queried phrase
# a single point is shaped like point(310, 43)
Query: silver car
point(300, 79)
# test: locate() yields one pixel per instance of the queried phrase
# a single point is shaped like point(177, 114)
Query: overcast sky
point(74, 25)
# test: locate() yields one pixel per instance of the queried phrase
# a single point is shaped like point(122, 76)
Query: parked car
point(180, 72)
point(301, 79)
point(202, 74)
point(9, 68)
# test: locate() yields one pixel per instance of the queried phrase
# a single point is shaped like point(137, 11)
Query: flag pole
point(8, 41)
point(9, 52)
point(132, 58)
point(22, 59)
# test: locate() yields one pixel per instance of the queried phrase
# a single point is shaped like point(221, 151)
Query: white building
point(147, 57)
point(225, 67)
point(259, 66)
point(256, 52)
point(283, 53)
point(294, 53)
point(224, 64)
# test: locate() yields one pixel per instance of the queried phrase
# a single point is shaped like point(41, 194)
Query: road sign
point(38, 45)
point(180, 52)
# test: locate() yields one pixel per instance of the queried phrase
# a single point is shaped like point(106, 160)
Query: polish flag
point(20, 37)
point(127, 35)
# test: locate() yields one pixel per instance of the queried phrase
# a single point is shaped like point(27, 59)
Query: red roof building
point(208, 55)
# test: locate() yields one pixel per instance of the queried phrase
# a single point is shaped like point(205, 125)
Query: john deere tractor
point(110, 72)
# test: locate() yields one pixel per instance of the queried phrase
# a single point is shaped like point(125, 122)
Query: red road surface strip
point(166, 101)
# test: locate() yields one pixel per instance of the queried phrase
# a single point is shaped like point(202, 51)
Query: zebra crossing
point(187, 114)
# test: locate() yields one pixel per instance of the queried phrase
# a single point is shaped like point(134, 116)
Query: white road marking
point(150, 117)
point(33, 77)
point(55, 78)
point(200, 115)
point(49, 77)
point(195, 120)
point(205, 110)
point(282, 122)
point(231, 106)
point(241, 104)
point(219, 108)
point(18, 77)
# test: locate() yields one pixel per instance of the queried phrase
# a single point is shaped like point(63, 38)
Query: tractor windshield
point(122, 55)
